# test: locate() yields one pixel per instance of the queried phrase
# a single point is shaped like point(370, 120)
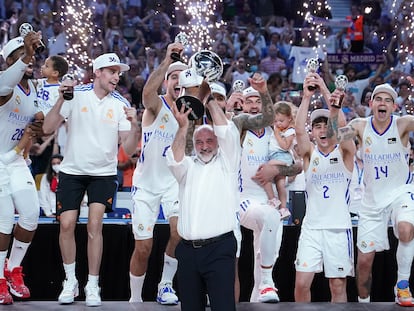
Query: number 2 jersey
point(327, 191)
point(386, 170)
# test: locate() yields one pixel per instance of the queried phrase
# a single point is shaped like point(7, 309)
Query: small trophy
point(312, 66)
point(24, 29)
point(341, 82)
point(181, 37)
point(238, 86)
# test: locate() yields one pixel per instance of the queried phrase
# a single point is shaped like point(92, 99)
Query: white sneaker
point(268, 294)
point(70, 292)
point(92, 296)
point(166, 294)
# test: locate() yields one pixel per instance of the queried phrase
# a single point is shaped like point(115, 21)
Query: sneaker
point(69, 293)
point(274, 202)
point(403, 295)
point(15, 282)
point(268, 294)
point(284, 213)
point(166, 294)
point(5, 297)
point(93, 296)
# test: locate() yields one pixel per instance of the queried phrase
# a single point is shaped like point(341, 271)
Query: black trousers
point(207, 269)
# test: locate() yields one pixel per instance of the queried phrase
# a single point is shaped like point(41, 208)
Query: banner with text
point(352, 58)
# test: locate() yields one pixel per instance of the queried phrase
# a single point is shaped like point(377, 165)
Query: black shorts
point(72, 188)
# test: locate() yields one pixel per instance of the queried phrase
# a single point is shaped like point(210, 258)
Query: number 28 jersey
point(15, 115)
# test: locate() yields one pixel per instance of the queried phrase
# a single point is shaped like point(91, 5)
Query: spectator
point(57, 44)
point(48, 186)
point(272, 63)
point(237, 71)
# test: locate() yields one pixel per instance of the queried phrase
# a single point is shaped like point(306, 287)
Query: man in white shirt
point(97, 116)
point(208, 202)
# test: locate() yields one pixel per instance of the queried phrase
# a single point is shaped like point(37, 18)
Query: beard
point(205, 157)
point(28, 76)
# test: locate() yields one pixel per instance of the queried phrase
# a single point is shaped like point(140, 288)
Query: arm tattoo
point(268, 112)
point(332, 127)
point(291, 170)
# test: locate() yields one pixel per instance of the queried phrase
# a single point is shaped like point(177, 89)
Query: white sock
point(17, 253)
point(136, 284)
point(169, 269)
point(70, 271)
point(266, 277)
point(405, 253)
point(93, 280)
point(3, 255)
point(364, 300)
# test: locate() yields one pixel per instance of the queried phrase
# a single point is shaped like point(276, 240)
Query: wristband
point(17, 149)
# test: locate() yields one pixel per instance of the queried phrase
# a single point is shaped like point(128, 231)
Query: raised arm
point(304, 145)
point(12, 75)
point(150, 99)
point(261, 120)
point(337, 119)
point(179, 143)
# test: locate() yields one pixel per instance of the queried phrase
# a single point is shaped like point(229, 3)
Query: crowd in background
point(254, 37)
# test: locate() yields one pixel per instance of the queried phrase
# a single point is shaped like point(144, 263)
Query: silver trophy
point(182, 38)
point(204, 65)
point(238, 86)
point(190, 97)
point(341, 83)
point(24, 29)
point(207, 64)
point(312, 65)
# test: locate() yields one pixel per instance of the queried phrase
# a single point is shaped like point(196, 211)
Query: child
point(52, 71)
point(54, 68)
point(281, 145)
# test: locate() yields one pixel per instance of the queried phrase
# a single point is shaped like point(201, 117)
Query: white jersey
point(152, 172)
point(15, 115)
point(255, 151)
point(327, 191)
point(93, 131)
point(47, 95)
point(386, 168)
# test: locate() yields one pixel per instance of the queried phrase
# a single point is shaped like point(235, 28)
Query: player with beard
point(153, 183)
point(17, 187)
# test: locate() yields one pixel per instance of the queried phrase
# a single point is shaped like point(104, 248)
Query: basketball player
point(385, 145)
point(17, 187)
point(325, 241)
point(153, 183)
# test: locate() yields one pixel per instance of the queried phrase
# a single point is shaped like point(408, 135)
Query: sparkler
point(403, 12)
point(79, 31)
point(201, 23)
point(317, 29)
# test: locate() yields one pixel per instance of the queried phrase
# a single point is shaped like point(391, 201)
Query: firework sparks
point(79, 30)
point(201, 15)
